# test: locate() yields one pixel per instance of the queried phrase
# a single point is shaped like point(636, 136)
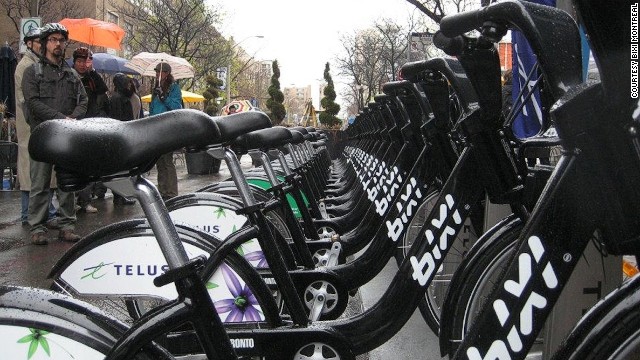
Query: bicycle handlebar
point(460, 23)
point(551, 32)
point(452, 46)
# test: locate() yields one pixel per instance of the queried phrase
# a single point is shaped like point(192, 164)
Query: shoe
point(123, 201)
point(68, 236)
point(89, 209)
point(53, 224)
point(39, 238)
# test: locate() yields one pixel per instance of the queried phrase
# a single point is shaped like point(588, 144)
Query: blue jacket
point(172, 102)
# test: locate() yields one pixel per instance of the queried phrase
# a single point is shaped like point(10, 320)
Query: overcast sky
point(302, 34)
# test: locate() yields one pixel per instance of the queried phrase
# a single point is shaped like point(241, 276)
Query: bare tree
point(251, 81)
point(371, 58)
point(184, 28)
point(363, 62)
point(48, 10)
point(437, 9)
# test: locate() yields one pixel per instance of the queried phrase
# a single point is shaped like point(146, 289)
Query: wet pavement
point(28, 265)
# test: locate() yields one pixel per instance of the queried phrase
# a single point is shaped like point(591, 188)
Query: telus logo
point(100, 270)
point(424, 269)
point(213, 229)
point(500, 347)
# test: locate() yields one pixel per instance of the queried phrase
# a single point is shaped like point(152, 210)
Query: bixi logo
point(406, 206)
point(424, 269)
point(500, 347)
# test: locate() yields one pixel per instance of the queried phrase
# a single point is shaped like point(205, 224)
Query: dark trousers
point(167, 176)
point(39, 200)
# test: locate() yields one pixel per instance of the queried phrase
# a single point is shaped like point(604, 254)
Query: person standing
point(136, 102)
point(507, 93)
point(97, 106)
point(52, 90)
point(166, 96)
point(122, 110)
point(31, 56)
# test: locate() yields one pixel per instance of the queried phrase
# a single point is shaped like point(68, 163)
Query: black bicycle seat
point(100, 146)
point(296, 136)
point(262, 139)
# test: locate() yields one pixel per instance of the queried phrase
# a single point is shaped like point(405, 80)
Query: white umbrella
point(145, 64)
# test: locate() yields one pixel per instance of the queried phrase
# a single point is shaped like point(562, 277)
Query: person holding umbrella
point(31, 56)
point(166, 96)
point(52, 90)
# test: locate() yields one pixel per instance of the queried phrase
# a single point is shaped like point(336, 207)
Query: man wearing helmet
point(32, 41)
point(52, 90)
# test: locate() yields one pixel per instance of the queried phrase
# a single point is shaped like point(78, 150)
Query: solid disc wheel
point(317, 351)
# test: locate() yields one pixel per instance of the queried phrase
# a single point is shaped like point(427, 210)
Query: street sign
point(221, 73)
point(27, 24)
point(419, 42)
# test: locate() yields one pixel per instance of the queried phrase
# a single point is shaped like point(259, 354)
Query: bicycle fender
point(611, 309)
point(67, 326)
point(487, 240)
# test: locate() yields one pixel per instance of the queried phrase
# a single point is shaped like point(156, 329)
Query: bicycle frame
point(562, 223)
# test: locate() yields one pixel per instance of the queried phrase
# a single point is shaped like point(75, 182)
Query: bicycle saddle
point(262, 139)
point(296, 136)
point(101, 146)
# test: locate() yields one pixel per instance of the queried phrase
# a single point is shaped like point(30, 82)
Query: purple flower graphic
point(257, 256)
point(242, 305)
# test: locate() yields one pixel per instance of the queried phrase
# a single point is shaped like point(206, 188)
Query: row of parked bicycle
point(262, 266)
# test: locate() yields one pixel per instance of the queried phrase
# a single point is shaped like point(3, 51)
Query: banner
point(529, 121)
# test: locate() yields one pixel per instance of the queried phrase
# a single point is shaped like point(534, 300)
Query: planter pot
point(201, 163)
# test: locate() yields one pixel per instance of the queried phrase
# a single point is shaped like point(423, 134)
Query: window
point(128, 36)
point(112, 17)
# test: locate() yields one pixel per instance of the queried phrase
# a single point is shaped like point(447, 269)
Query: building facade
point(54, 11)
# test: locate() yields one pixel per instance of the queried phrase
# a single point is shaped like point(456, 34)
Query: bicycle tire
point(609, 330)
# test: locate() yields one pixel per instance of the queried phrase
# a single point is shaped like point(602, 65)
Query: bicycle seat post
point(266, 240)
point(283, 162)
point(297, 235)
point(156, 213)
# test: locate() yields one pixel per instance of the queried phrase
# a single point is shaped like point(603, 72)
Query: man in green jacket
point(52, 90)
point(31, 56)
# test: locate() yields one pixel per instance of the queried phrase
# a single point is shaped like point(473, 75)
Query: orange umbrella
point(94, 32)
